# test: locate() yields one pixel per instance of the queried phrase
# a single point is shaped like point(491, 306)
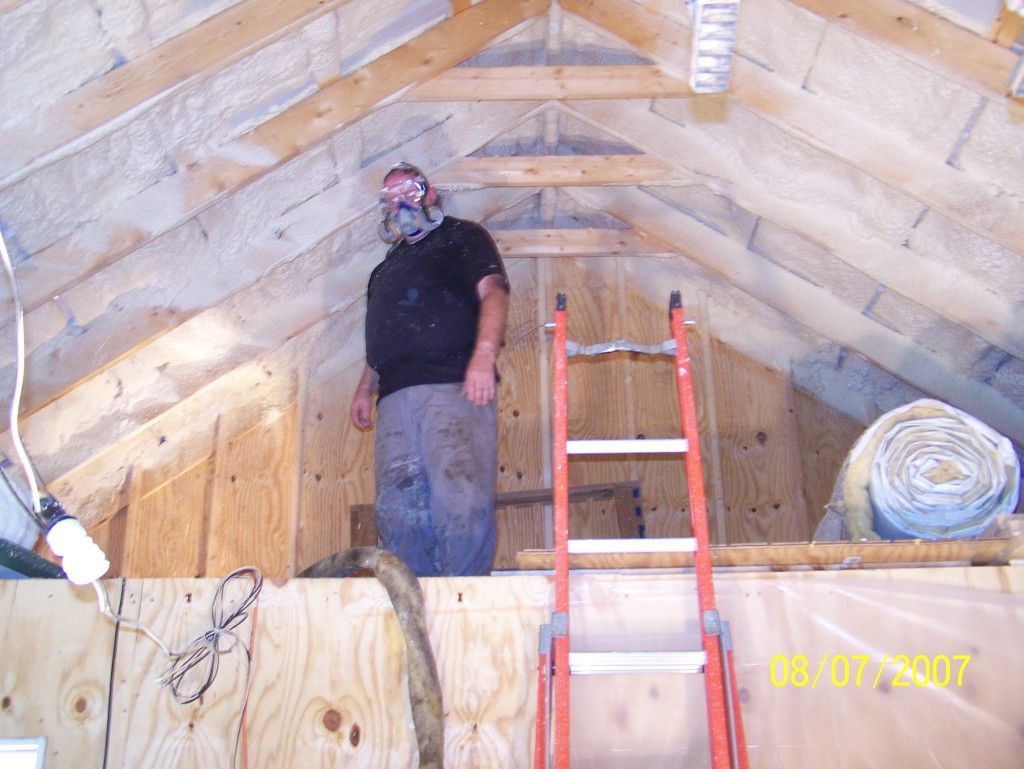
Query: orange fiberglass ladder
point(714, 660)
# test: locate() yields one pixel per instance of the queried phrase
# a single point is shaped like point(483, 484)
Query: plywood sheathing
point(55, 681)
point(328, 682)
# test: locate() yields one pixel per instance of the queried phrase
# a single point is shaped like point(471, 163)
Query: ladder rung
point(591, 663)
point(654, 545)
point(629, 446)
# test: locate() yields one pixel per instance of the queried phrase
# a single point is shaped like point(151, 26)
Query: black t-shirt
point(422, 305)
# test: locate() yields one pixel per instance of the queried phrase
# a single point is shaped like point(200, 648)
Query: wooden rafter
point(270, 145)
point(560, 171)
point(137, 338)
point(629, 81)
point(811, 117)
point(936, 42)
point(170, 68)
point(579, 242)
point(812, 306)
point(932, 41)
point(963, 298)
point(963, 198)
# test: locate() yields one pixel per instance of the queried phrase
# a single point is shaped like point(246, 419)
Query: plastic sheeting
point(923, 471)
point(825, 663)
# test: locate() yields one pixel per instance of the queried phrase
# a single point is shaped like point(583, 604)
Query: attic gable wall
point(203, 271)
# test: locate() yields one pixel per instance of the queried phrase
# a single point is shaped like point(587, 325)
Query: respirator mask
point(402, 205)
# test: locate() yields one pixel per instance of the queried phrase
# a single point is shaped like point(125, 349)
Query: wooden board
point(302, 126)
point(932, 40)
point(825, 438)
point(190, 429)
point(764, 499)
point(178, 511)
point(559, 171)
point(172, 67)
point(802, 300)
point(624, 81)
point(283, 272)
point(520, 435)
point(827, 123)
point(337, 469)
point(581, 242)
point(54, 681)
point(599, 397)
point(253, 517)
point(928, 39)
point(802, 555)
point(301, 198)
point(655, 407)
point(332, 650)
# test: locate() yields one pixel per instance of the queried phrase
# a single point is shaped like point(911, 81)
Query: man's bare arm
point(479, 385)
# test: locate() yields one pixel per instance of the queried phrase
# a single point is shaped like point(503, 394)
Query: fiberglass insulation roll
point(923, 471)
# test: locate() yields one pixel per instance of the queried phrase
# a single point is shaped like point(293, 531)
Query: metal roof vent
point(714, 37)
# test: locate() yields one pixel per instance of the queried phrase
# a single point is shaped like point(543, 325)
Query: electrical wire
point(204, 649)
point(19, 381)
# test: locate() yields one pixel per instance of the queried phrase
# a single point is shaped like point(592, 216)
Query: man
point(436, 309)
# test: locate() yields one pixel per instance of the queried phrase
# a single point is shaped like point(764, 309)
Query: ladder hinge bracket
point(559, 624)
point(712, 622)
point(545, 639)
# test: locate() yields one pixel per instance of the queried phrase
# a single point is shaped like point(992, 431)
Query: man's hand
point(362, 407)
point(362, 401)
point(479, 385)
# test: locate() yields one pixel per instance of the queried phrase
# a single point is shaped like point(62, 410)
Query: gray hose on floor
point(27, 563)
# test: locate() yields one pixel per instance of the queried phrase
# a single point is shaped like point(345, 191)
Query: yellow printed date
point(842, 670)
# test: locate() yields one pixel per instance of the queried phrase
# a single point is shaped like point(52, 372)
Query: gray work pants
point(436, 460)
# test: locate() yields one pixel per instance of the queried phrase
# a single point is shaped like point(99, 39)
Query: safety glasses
point(409, 191)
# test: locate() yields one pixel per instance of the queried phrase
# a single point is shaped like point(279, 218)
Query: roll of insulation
point(937, 473)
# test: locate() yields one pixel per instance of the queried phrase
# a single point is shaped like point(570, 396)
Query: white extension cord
point(81, 558)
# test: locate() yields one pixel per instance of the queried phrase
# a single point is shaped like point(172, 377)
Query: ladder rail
point(560, 472)
point(541, 738)
point(714, 683)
